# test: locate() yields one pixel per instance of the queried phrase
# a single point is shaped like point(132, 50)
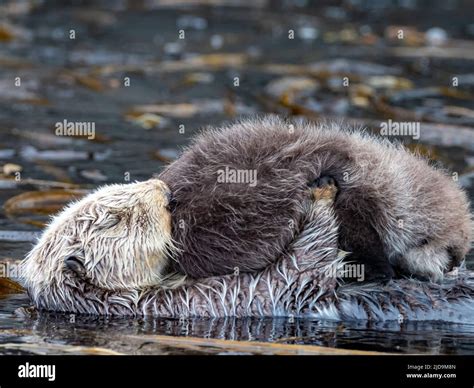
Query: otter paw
point(324, 189)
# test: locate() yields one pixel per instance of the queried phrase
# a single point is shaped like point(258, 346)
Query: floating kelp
point(165, 155)
point(59, 173)
point(13, 183)
point(28, 92)
point(187, 110)
point(198, 78)
point(36, 345)
point(86, 80)
point(147, 120)
point(17, 8)
point(95, 17)
point(94, 175)
point(6, 34)
point(7, 153)
point(10, 32)
point(406, 35)
point(219, 346)
point(423, 150)
point(172, 110)
point(204, 62)
point(11, 168)
point(458, 111)
point(352, 67)
point(8, 286)
point(30, 153)
point(18, 235)
point(429, 92)
point(434, 52)
point(44, 138)
point(286, 89)
point(432, 104)
point(40, 202)
point(389, 82)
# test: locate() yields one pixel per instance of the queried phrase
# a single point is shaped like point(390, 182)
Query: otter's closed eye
point(75, 265)
point(109, 220)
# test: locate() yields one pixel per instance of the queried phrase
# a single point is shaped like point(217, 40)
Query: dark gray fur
point(223, 226)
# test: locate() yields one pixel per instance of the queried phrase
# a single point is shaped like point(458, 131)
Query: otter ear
point(75, 265)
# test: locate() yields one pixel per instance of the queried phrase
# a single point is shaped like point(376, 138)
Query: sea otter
point(91, 261)
point(238, 192)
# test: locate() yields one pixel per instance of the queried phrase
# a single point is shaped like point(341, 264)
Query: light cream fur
point(120, 233)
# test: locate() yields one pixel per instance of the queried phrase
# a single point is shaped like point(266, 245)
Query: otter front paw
point(324, 190)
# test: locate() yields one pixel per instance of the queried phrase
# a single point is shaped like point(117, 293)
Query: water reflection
point(112, 333)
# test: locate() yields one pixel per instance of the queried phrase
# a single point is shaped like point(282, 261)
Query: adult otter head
point(118, 237)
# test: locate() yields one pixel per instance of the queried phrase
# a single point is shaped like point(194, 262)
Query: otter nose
point(159, 184)
point(164, 193)
point(172, 203)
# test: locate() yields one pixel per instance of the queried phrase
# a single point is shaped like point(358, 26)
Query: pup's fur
point(392, 206)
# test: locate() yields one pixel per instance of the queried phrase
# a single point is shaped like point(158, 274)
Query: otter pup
point(239, 190)
point(301, 283)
